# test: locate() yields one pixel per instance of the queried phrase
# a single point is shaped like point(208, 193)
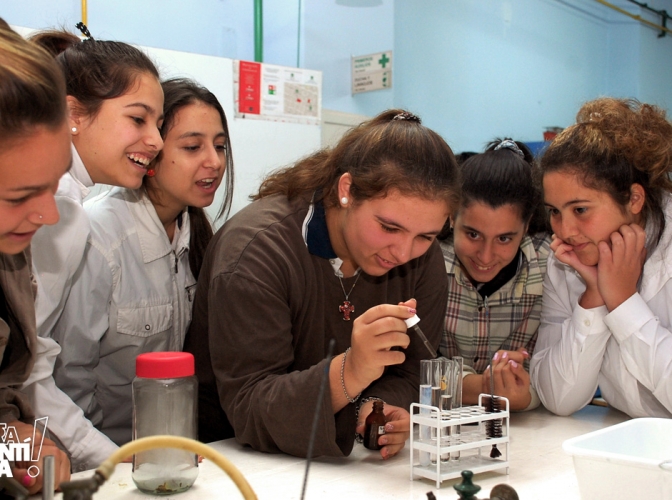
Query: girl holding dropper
point(332, 247)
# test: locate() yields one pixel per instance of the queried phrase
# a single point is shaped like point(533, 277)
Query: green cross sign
point(384, 60)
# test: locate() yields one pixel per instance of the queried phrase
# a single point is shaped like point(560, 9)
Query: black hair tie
point(85, 31)
point(405, 115)
point(510, 144)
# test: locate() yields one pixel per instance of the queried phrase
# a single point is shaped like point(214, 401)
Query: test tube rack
point(471, 442)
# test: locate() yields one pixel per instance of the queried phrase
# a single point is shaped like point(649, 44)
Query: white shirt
point(627, 352)
point(57, 253)
point(58, 249)
point(133, 294)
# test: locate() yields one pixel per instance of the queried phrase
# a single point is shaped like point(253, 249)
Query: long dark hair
point(32, 88)
point(526, 178)
point(614, 144)
point(391, 151)
point(95, 70)
point(179, 93)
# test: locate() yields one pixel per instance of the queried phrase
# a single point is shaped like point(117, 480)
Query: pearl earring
point(344, 201)
point(74, 129)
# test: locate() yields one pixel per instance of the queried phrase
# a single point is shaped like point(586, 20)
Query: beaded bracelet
point(347, 396)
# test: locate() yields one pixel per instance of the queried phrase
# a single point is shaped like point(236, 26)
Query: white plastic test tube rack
point(472, 442)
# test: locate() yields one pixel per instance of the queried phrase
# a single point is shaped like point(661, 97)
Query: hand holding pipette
point(378, 340)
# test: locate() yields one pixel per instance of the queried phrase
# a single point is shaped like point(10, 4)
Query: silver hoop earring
point(344, 201)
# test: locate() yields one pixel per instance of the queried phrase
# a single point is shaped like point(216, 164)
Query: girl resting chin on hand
point(608, 291)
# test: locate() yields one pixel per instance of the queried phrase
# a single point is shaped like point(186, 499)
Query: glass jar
point(375, 426)
point(165, 393)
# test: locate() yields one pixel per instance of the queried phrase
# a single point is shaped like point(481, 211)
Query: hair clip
point(85, 31)
point(509, 144)
point(405, 115)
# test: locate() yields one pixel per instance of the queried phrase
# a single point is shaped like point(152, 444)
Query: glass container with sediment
point(165, 394)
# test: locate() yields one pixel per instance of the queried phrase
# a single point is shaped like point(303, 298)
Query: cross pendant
point(346, 309)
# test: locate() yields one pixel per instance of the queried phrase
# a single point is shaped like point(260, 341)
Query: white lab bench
point(539, 468)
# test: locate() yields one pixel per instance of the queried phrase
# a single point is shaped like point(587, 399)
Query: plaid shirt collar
point(515, 288)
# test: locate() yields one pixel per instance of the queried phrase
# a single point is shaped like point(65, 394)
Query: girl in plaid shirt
point(495, 256)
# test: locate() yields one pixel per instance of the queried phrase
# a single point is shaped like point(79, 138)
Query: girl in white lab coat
point(607, 309)
point(134, 291)
point(115, 107)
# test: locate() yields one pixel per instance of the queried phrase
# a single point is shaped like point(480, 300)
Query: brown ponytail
point(95, 70)
point(391, 151)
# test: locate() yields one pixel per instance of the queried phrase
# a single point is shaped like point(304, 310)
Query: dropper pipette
point(412, 322)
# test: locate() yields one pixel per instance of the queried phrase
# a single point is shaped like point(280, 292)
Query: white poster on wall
point(278, 93)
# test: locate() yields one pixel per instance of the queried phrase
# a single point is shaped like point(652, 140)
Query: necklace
point(347, 307)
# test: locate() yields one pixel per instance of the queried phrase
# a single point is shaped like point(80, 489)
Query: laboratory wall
point(472, 69)
point(211, 27)
point(478, 70)
point(338, 30)
point(655, 68)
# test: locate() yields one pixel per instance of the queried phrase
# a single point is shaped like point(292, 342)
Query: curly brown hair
point(614, 144)
point(380, 154)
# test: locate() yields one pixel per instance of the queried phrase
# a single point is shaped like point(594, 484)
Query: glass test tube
point(425, 399)
point(457, 400)
point(437, 377)
point(447, 378)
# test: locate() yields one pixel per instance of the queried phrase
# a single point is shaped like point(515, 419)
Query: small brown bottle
point(375, 426)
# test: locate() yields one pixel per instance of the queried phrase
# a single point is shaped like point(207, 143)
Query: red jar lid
point(171, 364)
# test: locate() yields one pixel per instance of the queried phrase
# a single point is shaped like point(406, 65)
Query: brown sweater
point(264, 312)
point(17, 336)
